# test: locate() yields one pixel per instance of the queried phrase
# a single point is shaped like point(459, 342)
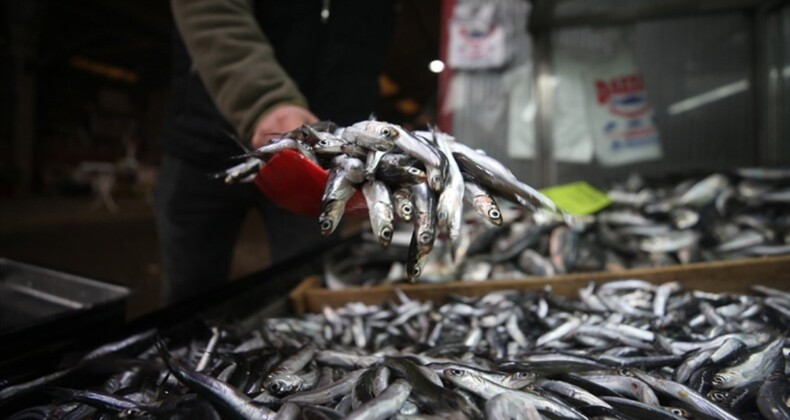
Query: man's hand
point(279, 120)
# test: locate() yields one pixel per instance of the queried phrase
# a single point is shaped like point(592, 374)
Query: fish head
point(725, 379)
point(426, 237)
point(415, 259)
point(381, 128)
point(441, 214)
point(680, 412)
point(415, 272)
point(520, 379)
point(281, 385)
point(326, 222)
point(406, 209)
point(383, 134)
point(490, 209)
point(435, 180)
point(717, 395)
point(416, 175)
point(386, 233)
point(462, 377)
point(328, 144)
point(454, 374)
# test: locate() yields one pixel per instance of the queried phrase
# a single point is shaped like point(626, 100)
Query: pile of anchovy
point(420, 176)
point(623, 350)
point(744, 214)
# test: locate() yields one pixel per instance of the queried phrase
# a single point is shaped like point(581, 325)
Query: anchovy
point(638, 409)
point(704, 192)
point(449, 206)
point(483, 203)
point(328, 144)
point(398, 169)
point(386, 404)
point(402, 202)
point(374, 136)
point(756, 367)
point(328, 393)
point(507, 407)
point(573, 392)
point(424, 216)
point(627, 386)
point(333, 203)
point(687, 395)
point(354, 170)
point(492, 174)
point(275, 146)
point(380, 210)
point(282, 379)
point(772, 397)
point(229, 399)
point(486, 389)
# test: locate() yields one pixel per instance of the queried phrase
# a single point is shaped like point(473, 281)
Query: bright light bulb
point(436, 66)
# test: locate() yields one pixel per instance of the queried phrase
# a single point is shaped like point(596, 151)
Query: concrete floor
point(73, 236)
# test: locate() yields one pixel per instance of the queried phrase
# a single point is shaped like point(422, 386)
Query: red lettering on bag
point(618, 86)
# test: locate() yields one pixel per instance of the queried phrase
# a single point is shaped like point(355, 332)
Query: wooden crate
point(720, 276)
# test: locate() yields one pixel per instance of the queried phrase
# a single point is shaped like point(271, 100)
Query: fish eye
point(326, 225)
point(406, 209)
point(456, 372)
point(425, 237)
point(274, 387)
point(386, 233)
point(494, 214)
point(386, 131)
point(523, 375)
point(416, 271)
point(323, 143)
point(718, 379)
point(414, 171)
point(717, 395)
point(679, 412)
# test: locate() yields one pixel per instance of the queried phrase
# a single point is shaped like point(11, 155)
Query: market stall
point(601, 230)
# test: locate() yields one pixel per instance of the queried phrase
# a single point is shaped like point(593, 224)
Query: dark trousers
point(199, 219)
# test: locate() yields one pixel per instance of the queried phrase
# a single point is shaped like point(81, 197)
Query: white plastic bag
point(600, 102)
point(477, 38)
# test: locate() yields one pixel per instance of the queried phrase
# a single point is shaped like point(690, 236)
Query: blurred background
point(84, 91)
point(85, 85)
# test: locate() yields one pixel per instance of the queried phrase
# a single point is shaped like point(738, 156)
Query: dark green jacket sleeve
point(234, 59)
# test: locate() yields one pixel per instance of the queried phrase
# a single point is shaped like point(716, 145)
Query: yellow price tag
point(578, 198)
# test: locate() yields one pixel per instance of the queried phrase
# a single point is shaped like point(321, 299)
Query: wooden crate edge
point(298, 296)
point(316, 298)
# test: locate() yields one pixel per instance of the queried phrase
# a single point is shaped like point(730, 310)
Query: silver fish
point(380, 210)
point(333, 203)
point(403, 206)
point(483, 203)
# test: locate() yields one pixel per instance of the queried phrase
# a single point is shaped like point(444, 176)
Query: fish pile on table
point(420, 176)
point(624, 350)
point(744, 214)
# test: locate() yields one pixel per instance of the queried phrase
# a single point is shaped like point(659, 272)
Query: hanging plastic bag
point(600, 100)
point(522, 113)
point(477, 38)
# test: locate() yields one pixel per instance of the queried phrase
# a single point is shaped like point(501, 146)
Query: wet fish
point(380, 210)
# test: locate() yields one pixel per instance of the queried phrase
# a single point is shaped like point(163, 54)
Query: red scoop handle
point(296, 184)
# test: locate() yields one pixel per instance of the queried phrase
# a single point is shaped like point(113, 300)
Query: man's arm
point(236, 63)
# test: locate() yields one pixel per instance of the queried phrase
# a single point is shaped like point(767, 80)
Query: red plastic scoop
point(296, 184)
